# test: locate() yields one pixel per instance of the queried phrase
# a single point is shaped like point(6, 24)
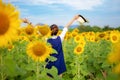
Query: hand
point(25, 20)
point(76, 17)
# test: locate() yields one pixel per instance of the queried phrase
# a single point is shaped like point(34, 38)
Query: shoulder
point(53, 38)
point(65, 29)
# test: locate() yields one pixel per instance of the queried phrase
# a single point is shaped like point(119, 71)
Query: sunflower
point(114, 56)
point(76, 30)
point(83, 34)
point(92, 38)
point(29, 30)
point(82, 43)
point(114, 37)
point(91, 33)
point(78, 38)
point(74, 33)
point(107, 37)
point(38, 50)
point(44, 30)
point(79, 49)
point(10, 47)
point(101, 35)
point(9, 23)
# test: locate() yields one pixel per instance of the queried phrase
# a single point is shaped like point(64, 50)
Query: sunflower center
point(39, 49)
point(4, 23)
point(74, 34)
point(29, 30)
point(77, 38)
point(101, 35)
point(10, 46)
point(114, 38)
point(108, 38)
point(79, 49)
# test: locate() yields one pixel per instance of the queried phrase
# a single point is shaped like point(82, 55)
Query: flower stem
point(28, 59)
point(37, 71)
point(78, 66)
point(2, 75)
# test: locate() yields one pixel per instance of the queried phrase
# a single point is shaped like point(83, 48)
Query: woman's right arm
point(65, 29)
point(73, 19)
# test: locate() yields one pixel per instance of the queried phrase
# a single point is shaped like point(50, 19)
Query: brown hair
point(54, 29)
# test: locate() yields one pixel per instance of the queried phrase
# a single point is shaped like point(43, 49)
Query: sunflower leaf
point(52, 58)
point(11, 67)
point(54, 73)
point(54, 51)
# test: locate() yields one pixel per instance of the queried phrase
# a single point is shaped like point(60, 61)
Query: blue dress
point(59, 63)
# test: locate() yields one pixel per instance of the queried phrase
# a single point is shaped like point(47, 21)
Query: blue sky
point(60, 12)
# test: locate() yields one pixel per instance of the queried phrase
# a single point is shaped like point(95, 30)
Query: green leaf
point(53, 71)
point(112, 76)
point(54, 51)
point(30, 78)
point(11, 67)
point(52, 58)
point(30, 66)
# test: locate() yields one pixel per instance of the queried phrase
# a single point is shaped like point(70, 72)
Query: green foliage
point(91, 64)
point(87, 28)
point(16, 65)
point(83, 28)
point(97, 57)
point(118, 28)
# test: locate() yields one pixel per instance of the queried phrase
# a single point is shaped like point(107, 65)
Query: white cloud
point(9, 1)
point(83, 4)
point(76, 4)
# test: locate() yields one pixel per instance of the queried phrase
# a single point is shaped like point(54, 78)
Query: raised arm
point(73, 19)
point(65, 29)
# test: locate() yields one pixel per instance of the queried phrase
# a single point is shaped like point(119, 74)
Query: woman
point(56, 42)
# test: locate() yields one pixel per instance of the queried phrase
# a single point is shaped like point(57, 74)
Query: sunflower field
point(24, 51)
